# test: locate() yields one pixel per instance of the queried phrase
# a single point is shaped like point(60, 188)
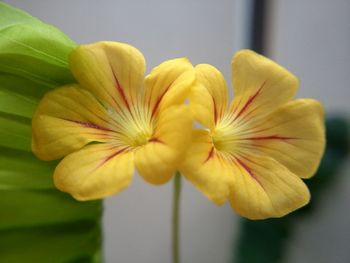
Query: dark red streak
point(272, 137)
point(110, 157)
point(120, 89)
point(113, 155)
point(89, 125)
point(215, 112)
point(249, 171)
point(250, 101)
point(155, 140)
point(159, 100)
point(122, 93)
point(210, 155)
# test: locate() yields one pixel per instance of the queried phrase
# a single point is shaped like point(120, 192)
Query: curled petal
point(160, 158)
point(206, 169)
point(180, 90)
point(260, 85)
point(294, 135)
point(209, 95)
point(163, 87)
point(95, 172)
point(264, 188)
point(112, 71)
point(67, 119)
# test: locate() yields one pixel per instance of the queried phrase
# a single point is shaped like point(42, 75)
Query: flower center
point(135, 127)
point(140, 138)
point(224, 140)
point(137, 132)
point(227, 136)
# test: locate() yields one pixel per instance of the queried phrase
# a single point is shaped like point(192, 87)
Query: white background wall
point(311, 38)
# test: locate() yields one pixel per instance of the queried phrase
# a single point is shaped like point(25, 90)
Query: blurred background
point(310, 38)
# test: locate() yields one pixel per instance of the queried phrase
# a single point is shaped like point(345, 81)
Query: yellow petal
point(112, 71)
point(160, 158)
point(66, 119)
point(163, 88)
point(209, 95)
point(260, 85)
point(264, 188)
point(180, 90)
point(95, 172)
point(294, 135)
point(206, 169)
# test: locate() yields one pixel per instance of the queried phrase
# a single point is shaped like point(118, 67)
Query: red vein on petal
point(215, 111)
point(120, 89)
point(89, 125)
point(159, 99)
point(155, 140)
point(110, 157)
point(114, 155)
point(210, 155)
point(271, 137)
point(122, 93)
point(104, 135)
point(250, 101)
point(249, 171)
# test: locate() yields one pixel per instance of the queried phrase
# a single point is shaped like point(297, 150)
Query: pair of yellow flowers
point(253, 151)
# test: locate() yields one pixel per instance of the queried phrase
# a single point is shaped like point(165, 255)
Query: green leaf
point(36, 52)
point(15, 132)
point(51, 207)
point(16, 177)
point(37, 222)
point(21, 86)
point(61, 243)
point(32, 49)
point(9, 101)
point(11, 16)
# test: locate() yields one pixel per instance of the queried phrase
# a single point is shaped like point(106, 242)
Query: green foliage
point(37, 222)
point(265, 241)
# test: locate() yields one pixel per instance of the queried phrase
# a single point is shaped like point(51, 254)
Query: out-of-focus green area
point(265, 241)
point(38, 223)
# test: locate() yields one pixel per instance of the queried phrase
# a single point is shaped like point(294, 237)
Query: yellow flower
point(255, 151)
point(114, 120)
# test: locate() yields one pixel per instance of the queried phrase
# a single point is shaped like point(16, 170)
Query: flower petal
point(66, 119)
point(160, 158)
point(112, 71)
point(94, 172)
point(260, 85)
point(294, 135)
point(209, 95)
point(206, 170)
point(264, 188)
point(163, 87)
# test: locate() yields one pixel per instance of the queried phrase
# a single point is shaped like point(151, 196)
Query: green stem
point(176, 218)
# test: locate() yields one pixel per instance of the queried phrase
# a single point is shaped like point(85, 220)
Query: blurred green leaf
point(15, 132)
point(32, 49)
point(37, 222)
point(58, 243)
point(15, 177)
point(17, 104)
point(54, 209)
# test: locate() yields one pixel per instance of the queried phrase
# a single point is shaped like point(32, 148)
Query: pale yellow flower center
point(138, 136)
point(135, 127)
point(228, 135)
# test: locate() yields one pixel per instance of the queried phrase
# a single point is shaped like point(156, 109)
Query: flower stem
point(176, 218)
